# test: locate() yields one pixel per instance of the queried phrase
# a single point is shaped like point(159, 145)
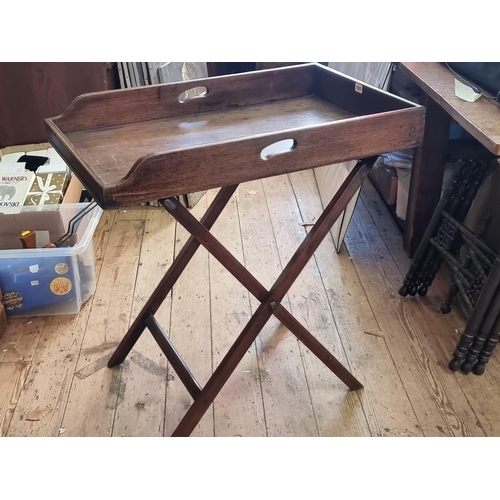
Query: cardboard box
point(386, 182)
point(47, 189)
point(38, 219)
point(26, 148)
point(404, 177)
point(14, 186)
point(55, 163)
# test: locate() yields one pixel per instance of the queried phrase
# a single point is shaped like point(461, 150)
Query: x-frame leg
point(170, 278)
point(270, 300)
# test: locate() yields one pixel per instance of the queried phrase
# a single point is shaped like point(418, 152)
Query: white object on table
point(465, 92)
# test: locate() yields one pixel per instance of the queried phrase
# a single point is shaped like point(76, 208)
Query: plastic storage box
point(47, 281)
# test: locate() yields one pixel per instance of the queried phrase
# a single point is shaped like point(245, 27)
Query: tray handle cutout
point(278, 148)
point(193, 93)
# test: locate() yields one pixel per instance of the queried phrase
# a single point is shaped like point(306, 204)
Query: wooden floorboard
point(434, 391)
point(51, 372)
point(338, 412)
point(239, 409)
point(287, 400)
point(398, 348)
point(17, 348)
point(142, 411)
point(190, 332)
point(386, 404)
point(480, 391)
point(109, 318)
point(12, 378)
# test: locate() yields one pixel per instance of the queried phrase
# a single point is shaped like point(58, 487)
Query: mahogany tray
point(134, 145)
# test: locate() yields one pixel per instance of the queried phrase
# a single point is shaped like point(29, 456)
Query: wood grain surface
point(399, 349)
point(113, 151)
point(34, 91)
point(134, 145)
point(481, 118)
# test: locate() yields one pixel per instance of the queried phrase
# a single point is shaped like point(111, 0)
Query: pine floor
point(398, 348)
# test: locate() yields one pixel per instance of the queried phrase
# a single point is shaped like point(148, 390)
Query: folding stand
point(270, 299)
point(217, 133)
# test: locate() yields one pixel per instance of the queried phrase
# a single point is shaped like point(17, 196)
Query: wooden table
point(481, 119)
point(162, 141)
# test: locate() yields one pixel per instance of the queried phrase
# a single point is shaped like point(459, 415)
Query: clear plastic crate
point(48, 281)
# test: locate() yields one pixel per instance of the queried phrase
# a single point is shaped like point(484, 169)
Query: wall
point(32, 92)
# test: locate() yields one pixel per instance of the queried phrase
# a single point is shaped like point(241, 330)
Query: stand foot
point(445, 309)
point(467, 366)
point(479, 368)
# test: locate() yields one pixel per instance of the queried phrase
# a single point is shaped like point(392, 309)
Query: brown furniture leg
point(478, 315)
point(487, 349)
point(270, 300)
point(168, 281)
point(426, 174)
point(258, 290)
